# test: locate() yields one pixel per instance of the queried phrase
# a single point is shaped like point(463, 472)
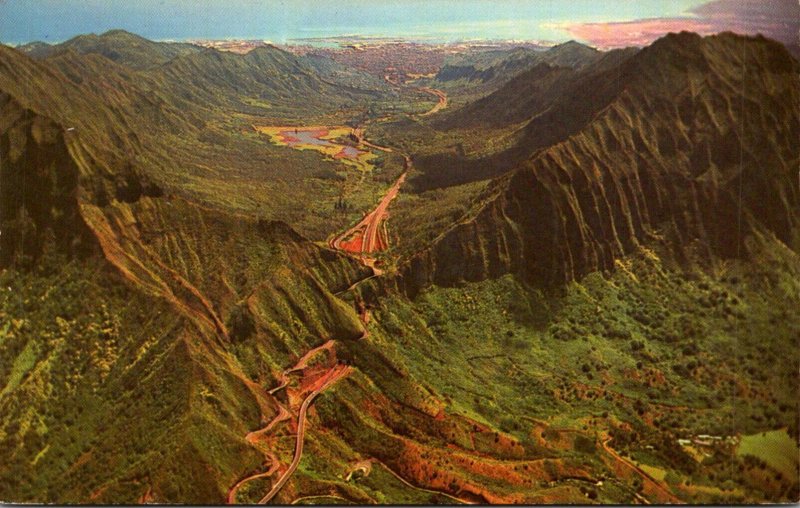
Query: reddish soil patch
point(367, 236)
point(651, 488)
point(353, 245)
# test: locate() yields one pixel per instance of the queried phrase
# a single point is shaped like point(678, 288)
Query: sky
point(603, 23)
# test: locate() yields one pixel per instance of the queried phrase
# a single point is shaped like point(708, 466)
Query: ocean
point(282, 21)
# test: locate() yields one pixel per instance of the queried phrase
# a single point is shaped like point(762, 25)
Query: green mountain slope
point(671, 151)
point(139, 330)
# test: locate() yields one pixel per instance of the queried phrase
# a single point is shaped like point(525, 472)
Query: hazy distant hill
point(558, 100)
point(119, 46)
point(485, 65)
point(530, 93)
point(491, 69)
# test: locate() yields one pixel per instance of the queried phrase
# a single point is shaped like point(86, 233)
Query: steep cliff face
point(38, 193)
point(697, 149)
point(522, 97)
point(538, 108)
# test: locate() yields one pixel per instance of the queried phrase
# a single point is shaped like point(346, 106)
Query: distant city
point(392, 57)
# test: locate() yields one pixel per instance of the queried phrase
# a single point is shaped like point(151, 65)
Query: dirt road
point(669, 496)
point(301, 364)
point(232, 493)
point(336, 373)
point(423, 489)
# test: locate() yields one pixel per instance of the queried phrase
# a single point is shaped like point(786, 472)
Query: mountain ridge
point(557, 199)
point(117, 45)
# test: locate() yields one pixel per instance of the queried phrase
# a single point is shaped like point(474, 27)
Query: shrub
point(584, 444)
point(241, 324)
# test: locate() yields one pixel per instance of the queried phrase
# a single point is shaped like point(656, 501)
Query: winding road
point(232, 493)
point(331, 377)
point(423, 489)
point(328, 379)
point(320, 496)
point(440, 105)
point(367, 237)
point(301, 364)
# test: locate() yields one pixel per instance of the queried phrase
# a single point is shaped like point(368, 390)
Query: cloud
point(635, 33)
point(777, 19)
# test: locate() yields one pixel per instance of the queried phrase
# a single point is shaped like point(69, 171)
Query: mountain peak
point(684, 39)
point(573, 45)
point(35, 49)
point(123, 35)
point(120, 46)
point(644, 120)
point(686, 50)
point(570, 44)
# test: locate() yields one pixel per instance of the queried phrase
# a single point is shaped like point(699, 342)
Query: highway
point(369, 235)
point(440, 105)
point(333, 375)
point(330, 377)
point(369, 232)
point(370, 227)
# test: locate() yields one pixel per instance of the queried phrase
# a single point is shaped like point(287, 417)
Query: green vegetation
point(418, 219)
point(777, 448)
point(633, 346)
point(22, 364)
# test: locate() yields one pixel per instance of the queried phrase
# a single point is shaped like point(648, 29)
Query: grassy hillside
point(154, 336)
